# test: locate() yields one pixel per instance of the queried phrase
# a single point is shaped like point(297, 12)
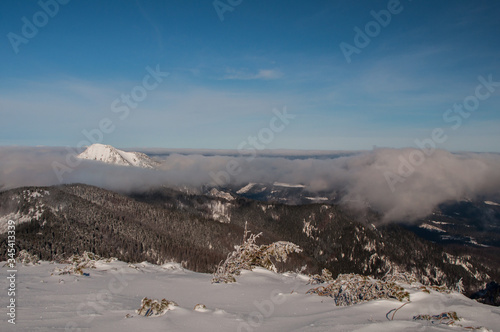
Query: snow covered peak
point(111, 155)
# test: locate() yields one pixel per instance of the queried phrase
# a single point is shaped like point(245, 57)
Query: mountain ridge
point(165, 225)
point(111, 155)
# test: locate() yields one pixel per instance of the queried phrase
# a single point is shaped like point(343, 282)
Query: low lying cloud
point(360, 177)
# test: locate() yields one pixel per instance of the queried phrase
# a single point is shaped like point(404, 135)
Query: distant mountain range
point(198, 227)
point(286, 193)
point(470, 223)
point(467, 223)
point(111, 155)
point(200, 230)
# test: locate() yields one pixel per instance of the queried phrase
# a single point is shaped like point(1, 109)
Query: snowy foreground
point(260, 300)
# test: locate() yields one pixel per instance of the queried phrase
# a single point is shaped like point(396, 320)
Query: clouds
point(358, 177)
point(442, 177)
point(262, 74)
point(382, 104)
point(226, 77)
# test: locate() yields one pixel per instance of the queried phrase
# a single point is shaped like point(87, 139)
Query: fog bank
point(392, 181)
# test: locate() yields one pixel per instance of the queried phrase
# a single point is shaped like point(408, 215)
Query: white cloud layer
point(359, 177)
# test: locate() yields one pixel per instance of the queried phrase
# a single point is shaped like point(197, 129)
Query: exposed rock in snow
point(221, 194)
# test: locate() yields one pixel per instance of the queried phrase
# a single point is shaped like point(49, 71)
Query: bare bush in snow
point(150, 307)
point(77, 263)
point(200, 307)
point(325, 276)
point(447, 318)
point(400, 277)
point(349, 289)
point(24, 257)
point(248, 255)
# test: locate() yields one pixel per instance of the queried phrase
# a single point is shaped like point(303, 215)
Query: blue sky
point(226, 76)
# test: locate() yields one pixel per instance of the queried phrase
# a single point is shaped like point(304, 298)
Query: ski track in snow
point(260, 301)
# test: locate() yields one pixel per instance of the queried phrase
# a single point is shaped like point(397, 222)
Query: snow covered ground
point(246, 188)
point(432, 228)
point(287, 185)
point(260, 301)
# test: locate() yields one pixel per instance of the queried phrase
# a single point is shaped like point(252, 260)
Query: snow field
point(260, 300)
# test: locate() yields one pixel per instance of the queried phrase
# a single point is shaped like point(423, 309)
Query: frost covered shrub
point(26, 258)
point(400, 277)
point(457, 287)
point(325, 276)
point(444, 318)
point(79, 262)
point(150, 307)
point(349, 289)
point(248, 255)
point(442, 289)
point(447, 318)
point(408, 278)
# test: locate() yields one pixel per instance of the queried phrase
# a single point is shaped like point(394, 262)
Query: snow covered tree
point(249, 254)
point(26, 258)
point(459, 286)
